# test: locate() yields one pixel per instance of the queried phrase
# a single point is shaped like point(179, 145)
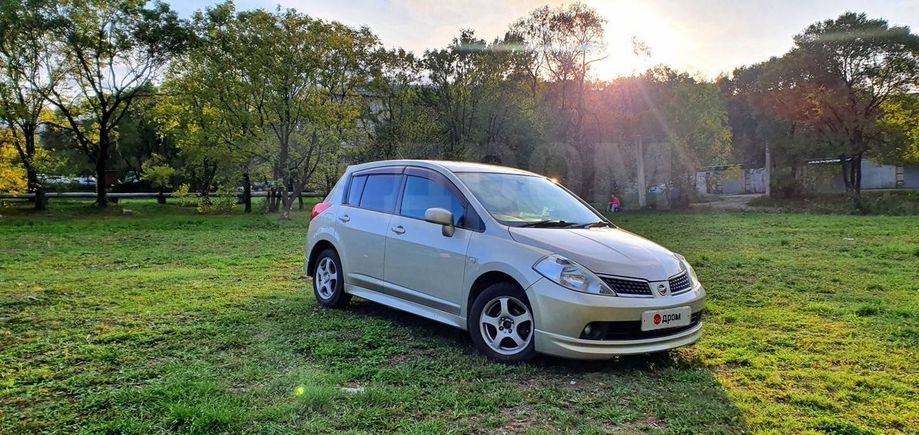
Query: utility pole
point(768, 172)
point(642, 189)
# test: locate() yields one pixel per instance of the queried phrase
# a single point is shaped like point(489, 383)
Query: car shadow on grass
point(460, 339)
point(382, 348)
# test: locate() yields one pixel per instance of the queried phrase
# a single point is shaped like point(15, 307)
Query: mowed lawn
point(167, 321)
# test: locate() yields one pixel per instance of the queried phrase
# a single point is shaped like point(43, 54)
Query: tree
point(853, 66)
point(899, 130)
point(101, 55)
point(768, 108)
point(12, 174)
point(563, 43)
point(298, 79)
point(159, 173)
point(22, 86)
point(397, 118)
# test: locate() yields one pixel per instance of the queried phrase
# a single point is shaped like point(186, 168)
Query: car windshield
point(527, 200)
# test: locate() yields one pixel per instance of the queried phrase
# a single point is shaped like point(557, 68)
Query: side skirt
point(407, 306)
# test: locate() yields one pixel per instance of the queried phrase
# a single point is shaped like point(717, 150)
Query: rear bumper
point(561, 315)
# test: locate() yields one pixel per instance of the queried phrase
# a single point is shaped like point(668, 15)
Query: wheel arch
point(320, 246)
point(487, 279)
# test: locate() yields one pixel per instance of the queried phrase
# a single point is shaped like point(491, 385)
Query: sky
point(702, 37)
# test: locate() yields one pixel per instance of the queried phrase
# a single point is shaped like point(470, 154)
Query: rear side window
point(380, 192)
point(423, 193)
point(356, 189)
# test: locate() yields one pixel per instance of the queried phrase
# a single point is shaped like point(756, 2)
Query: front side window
point(380, 192)
point(424, 193)
point(521, 200)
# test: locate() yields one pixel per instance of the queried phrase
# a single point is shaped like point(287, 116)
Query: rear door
point(364, 223)
point(423, 265)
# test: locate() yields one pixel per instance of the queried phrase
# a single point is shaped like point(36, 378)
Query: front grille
point(680, 283)
point(627, 286)
point(631, 330)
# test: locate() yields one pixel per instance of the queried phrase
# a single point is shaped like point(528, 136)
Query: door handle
point(344, 218)
point(398, 230)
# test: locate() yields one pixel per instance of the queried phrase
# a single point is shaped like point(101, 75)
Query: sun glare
point(625, 21)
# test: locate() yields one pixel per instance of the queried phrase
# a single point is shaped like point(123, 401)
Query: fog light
point(587, 330)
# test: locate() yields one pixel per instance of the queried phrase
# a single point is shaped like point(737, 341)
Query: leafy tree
point(850, 67)
point(22, 86)
point(298, 80)
point(102, 55)
point(139, 140)
point(12, 174)
point(563, 42)
point(768, 108)
point(899, 130)
point(398, 116)
point(158, 172)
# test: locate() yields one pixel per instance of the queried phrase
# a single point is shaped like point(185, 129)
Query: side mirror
point(443, 217)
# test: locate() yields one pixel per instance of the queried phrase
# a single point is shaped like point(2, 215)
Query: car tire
point(502, 325)
point(328, 281)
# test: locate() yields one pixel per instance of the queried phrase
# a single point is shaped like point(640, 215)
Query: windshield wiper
point(597, 224)
point(546, 223)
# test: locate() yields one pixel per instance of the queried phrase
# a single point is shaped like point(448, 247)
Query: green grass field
point(168, 321)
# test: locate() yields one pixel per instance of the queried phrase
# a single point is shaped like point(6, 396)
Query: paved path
point(729, 202)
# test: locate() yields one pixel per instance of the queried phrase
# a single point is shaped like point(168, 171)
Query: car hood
point(607, 251)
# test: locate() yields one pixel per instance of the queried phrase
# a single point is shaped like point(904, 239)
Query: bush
point(891, 202)
point(222, 203)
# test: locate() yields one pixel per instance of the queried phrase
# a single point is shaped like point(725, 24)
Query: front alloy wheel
point(503, 328)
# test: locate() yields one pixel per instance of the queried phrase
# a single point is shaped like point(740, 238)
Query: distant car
point(258, 186)
point(85, 181)
point(512, 257)
point(660, 188)
point(56, 179)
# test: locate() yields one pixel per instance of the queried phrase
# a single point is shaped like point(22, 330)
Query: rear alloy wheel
point(501, 324)
point(328, 281)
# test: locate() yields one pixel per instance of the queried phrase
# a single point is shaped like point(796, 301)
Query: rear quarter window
point(356, 189)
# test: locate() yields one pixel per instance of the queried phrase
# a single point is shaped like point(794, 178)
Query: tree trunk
point(856, 165)
point(247, 193)
point(844, 164)
point(101, 161)
point(296, 190)
point(35, 186)
point(272, 203)
point(161, 198)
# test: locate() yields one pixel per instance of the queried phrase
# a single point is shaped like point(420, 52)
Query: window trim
point(383, 170)
point(398, 191)
point(346, 198)
point(437, 177)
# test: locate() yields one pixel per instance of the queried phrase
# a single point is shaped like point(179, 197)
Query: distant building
point(825, 175)
point(821, 175)
point(731, 179)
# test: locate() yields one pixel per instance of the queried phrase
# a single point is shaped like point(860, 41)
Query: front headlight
point(571, 275)
point(693, 279)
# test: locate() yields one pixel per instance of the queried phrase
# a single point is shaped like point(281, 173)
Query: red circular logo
point(657, 319)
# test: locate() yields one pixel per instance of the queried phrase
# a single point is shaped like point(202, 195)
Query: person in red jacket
point(614, 204)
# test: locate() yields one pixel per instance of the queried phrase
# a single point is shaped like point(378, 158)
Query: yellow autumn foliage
point(12, 173)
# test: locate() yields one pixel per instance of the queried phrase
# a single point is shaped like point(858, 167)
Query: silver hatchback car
point(511, 256)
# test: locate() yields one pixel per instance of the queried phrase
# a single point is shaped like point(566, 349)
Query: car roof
point(447, 165)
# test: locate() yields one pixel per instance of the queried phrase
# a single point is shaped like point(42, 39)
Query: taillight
point(319, 208)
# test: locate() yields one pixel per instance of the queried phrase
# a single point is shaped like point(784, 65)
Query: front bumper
point(561, 315)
